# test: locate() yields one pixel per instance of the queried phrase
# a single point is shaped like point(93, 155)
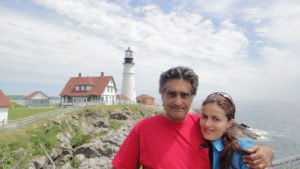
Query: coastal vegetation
point(18, 147)
point(22, 112)
point(17, 111)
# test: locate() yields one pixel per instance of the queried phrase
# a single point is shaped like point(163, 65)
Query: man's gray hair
point(179, 72)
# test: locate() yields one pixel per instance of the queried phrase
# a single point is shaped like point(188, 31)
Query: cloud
point(91, 36)
point(277, 22)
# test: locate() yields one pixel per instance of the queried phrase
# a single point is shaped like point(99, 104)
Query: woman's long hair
point(229, 140)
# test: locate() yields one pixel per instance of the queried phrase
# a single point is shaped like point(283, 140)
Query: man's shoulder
point(150, 120)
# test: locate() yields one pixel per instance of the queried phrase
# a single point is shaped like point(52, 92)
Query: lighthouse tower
point(128, 84)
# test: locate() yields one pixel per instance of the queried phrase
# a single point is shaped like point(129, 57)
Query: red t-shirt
point(159, 143)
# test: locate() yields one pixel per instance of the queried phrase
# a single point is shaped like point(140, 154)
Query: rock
point(56, 152)
point(64, 139)
point(89, 113)
point(56, 121)
point(102, 146)
point(31, 166)
point(97, 131)
point(126, 108)
point(102, 123)
point(142, 113)
point(38, 163)
point(105, 162)
point(67, 151)
point(85, 128)
point(90, 150)
point(102, 163)
point(118, 116)
point(67, 166)
point(48, 166)
point(79, 157)
point(67, 158)
point(129, 113)
point(109, 150)
point(74, 117)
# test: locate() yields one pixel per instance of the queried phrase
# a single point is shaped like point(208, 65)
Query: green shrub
point(113, 124)
point(102, 133)
point(38, 151)
point(75, 163)
point(64, 126)
point(78, 139)
point(45, 136)
point(134, 108)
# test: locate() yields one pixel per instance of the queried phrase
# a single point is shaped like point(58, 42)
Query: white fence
point(13, 124)
point(292, 162)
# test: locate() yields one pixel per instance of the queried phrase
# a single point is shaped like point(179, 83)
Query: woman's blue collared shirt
point(237, 158)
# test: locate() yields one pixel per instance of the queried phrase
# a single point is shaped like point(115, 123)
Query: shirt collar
point(218, 144)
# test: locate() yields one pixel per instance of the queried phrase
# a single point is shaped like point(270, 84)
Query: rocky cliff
point(101, 131)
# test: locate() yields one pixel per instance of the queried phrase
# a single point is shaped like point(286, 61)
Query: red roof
point(4, 102)
point(144, 96)
point(98, 84)
point(32, 94)
point(121, 96)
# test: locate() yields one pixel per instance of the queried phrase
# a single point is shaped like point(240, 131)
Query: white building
point(37, 99)
point(4, 105)
point(97, 90)
point(128, 83)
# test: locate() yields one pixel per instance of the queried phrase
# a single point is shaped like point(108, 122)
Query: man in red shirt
point(173, 139)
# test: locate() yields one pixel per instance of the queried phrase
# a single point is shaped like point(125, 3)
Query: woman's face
point(213, 122)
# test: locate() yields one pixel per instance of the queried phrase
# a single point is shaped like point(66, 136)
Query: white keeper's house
point(96, 90)
point(4, 105)
point(37, 99)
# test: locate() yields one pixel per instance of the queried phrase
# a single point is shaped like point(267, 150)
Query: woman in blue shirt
point(219, 129)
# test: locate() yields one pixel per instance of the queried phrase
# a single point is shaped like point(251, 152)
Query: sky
point(249, 49)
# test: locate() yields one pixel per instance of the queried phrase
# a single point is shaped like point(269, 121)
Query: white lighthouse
point(128, 84)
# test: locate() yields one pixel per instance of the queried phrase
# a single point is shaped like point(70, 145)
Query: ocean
point(277, 123)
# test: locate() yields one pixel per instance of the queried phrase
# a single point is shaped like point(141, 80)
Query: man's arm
point(261, 157)
point(128, 155)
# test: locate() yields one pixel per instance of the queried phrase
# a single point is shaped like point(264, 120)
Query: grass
point(30, 139)
point(21, 145)
point(15, 105)
point(75, 163)
point(79, 139)
point(114, 124)
point(22, 112)
point(27, 139)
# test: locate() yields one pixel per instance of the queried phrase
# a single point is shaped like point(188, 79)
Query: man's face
point(177, 99)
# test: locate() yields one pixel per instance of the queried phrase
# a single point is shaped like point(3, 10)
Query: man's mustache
point(177, 107)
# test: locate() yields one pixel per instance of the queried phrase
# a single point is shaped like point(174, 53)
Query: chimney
point(102, 74)
point(79, 75)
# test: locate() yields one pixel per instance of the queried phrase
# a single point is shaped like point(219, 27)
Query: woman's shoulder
point(245, 143)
